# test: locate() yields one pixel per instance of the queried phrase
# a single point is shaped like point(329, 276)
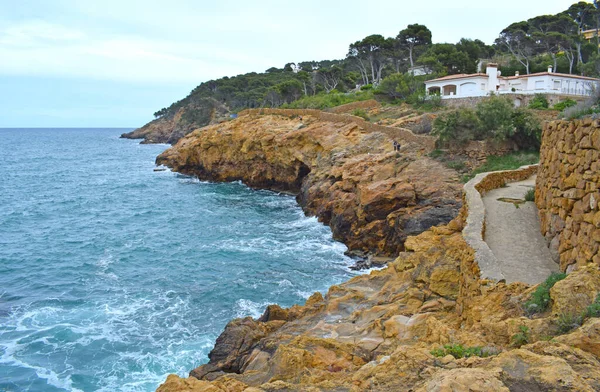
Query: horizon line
point(22, 127)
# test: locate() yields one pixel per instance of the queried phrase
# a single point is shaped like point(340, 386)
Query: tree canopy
point(525, 46)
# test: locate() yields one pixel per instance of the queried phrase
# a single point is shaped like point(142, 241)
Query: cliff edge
point(175, 124)
point(371, 196)
point(427, 322)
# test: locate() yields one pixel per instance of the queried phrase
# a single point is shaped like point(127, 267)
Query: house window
point(482, 86)
point(539, 85)
point(557, 85)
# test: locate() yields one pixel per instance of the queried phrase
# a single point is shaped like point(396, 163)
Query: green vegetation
point(360, 113)
point(593, 310)
point(457, 127)
point(567, 103)
point(540, 299)
point(458, 165)
point(494, 118)
point(522, 337)
point(381, 66)
point(539, 102)
point(505, 162)
point(324, 101)
point(459, 351)
point(437, 153)
point(567, 322)
point(530, 195)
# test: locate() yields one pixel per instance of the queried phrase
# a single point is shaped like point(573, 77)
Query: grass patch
point(522, 337)
point(459, 351)
point(567, 322)
point(457, 165)
point(540, 299)
point(505, 162)
point(593, 310)
point(361, 113)
point(530, 195)
point(324, 101)
point(436, 153)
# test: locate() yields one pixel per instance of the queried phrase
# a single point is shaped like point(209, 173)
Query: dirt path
point(513, 234)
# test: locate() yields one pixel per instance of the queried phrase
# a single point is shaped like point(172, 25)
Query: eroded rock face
point(371, 196)
point(376, 333)
point(173, 126)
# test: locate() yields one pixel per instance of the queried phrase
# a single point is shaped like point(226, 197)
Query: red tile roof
point(458, 76)
point(562, 75)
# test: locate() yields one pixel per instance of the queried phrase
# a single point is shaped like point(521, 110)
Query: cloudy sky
point(112, 63)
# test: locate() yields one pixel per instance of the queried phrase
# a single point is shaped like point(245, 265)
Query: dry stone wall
point(568, 191)
point(402, 135)
point(349, 107)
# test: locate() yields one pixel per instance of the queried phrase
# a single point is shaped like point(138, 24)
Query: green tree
point(414, 39)
point(447, 59)
point(369, 55)
point(398, 86)
point(518, 41)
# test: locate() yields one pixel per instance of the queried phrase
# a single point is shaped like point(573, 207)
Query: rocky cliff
point(174, 125)
point(379, 332)
point(385, 331)
point(371, 196)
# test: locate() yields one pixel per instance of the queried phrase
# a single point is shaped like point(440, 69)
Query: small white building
point(419, 70)
point(492, 81)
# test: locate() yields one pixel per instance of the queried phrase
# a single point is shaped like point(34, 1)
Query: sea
point(113, 275)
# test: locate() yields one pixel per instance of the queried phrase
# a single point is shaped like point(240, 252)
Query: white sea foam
point(246, 307)
point(285, 283)
point(304, 294)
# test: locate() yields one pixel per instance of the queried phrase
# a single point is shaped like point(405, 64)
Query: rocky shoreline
point(379, 331)
point(372, 197)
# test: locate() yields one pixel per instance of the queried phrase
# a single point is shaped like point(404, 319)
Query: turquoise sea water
point(113, 276)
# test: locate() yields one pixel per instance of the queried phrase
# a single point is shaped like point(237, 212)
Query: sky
point(113, 63)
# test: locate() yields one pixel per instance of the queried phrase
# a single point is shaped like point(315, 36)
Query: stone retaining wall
point(480, 150)
point(349, 107)
point(402, 135)
point(523, 100)
point(568, 191)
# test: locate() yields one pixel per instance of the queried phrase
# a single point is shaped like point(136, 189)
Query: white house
point(419, 70)
point(492, 81)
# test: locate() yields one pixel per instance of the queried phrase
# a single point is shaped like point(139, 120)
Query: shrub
point(540, 299)
point(567, 103)
point(568, 322)
point(522, 337)
point(530, 195)
point(360, 113)
point(422, 127)
point(505, 162)
point(539, 102)
point(459, 351)
point(457, 165)
point(496, 117)
point(435, 101)
point(528, 129)
point(366, 87)
point(436, 153)
point(580, 110)
point(459, 126)
point(324, 101)
point(593, 310)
